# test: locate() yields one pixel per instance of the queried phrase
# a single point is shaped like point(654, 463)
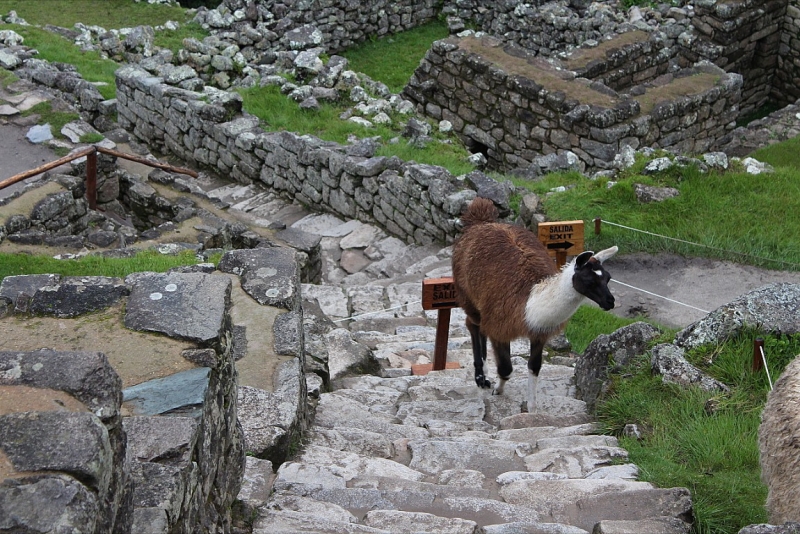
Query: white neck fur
point(552, 301)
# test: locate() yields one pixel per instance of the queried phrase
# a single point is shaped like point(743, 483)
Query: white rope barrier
point(764, 360)
point(659, 296)
point(603, 221)
point(365, 314)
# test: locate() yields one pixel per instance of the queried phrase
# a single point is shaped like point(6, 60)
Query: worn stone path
point(401, 453)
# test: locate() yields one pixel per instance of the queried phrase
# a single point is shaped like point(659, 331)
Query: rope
point(377, 312)
point(764, 360)
point(701, 245)
point(659, 296)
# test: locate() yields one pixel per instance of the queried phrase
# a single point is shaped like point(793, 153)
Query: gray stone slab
point(151, 520)
point(327, 467)
point(155, 438)
point(633, 505)
point(159, 302)
point(269, 275)
point(333, 411)
point(162, 395)
point(310, 507)
point(26, 285)
point(490, 456)
point(39, 134)
point(162, 486)
point(49, 504)
point(533, 528)
point(257, 483)
point(488, 510)
point(624, 471)
point(575, 462)
point(400, 522)
point(76, 295)
point(535, 433)
point(556, 499)
point(87, 376)
point(290, 522)
point(73, 443)
point(470, 410)
point(5, 109)
point(662, 525)
point(354, 440)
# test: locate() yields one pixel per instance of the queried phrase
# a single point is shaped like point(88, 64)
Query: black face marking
point(591, 280)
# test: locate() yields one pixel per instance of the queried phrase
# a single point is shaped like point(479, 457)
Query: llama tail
point(480, 210)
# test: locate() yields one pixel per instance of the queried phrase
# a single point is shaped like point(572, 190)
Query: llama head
point(591, 279)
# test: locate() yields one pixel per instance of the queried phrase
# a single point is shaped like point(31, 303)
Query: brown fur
point(495, 265)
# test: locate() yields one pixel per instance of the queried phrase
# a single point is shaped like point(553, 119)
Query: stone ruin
point(749, 53)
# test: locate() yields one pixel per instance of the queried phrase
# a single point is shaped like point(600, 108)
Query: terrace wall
point(514, 107)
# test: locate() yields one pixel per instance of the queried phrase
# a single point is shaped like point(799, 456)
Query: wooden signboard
point(438, 293)
point(562, 238)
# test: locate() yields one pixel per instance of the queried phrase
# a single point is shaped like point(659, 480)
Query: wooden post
point(438, 294)
point(758, 346)
point(597, 222)
point(91, 179)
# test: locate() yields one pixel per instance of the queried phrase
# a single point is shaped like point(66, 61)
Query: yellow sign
point(565, 237)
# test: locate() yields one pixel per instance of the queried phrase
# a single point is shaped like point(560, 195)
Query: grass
point(55, 48)
point(687, 443)
point(280, 113)
point(379, 58)
point(56, 119)
point(105, 13)
point(709, 211)
point(148, 260)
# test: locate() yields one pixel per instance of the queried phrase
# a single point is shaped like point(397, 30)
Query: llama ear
point(603, 255)
point(582, 258)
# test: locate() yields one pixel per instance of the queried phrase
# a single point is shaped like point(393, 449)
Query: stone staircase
point(435, 454)
point(401, 453)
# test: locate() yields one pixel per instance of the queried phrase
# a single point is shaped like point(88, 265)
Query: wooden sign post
point(562, 239)
point(438, 294)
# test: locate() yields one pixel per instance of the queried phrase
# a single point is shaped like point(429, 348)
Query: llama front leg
point(478, 353)
point(534, 366)
point(502, 355)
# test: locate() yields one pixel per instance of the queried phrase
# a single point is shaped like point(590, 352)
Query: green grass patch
point(105, 13)
point(703, 441)
point(55, 48)
point(91, 137)
point(281, 113)
point(590, 322)
point(785, 154)
point(710, 211)
point(173, 39)
point(56, 119)
point(147, 260)
point(392, 59)
point(7, 78)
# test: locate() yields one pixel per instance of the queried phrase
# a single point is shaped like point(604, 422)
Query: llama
point(778, 439)
point(510, 288)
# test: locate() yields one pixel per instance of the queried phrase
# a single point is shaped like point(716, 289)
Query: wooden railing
point(91, 169)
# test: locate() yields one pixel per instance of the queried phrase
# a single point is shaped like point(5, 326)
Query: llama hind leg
point(502, 355)
point(534, 366)
point(478, 353)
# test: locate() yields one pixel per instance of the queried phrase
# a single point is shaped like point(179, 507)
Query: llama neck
point(552, 301)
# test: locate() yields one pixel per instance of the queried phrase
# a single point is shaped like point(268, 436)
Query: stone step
point(534, 433)
point(574, 462)
point(291, 522)
point(449, 483)
point(585, 502)
point(323, 467)
point(400, 522)
point(533, 528)
point(491, 457)
point(471, 410)
point(333, 411)
point(355, 440)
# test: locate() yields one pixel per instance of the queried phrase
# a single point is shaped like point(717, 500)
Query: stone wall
point(743, 36)
point(418, 203)
point(144, 435)
point(340, 25)
point(515, 107)
point(786, 83)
